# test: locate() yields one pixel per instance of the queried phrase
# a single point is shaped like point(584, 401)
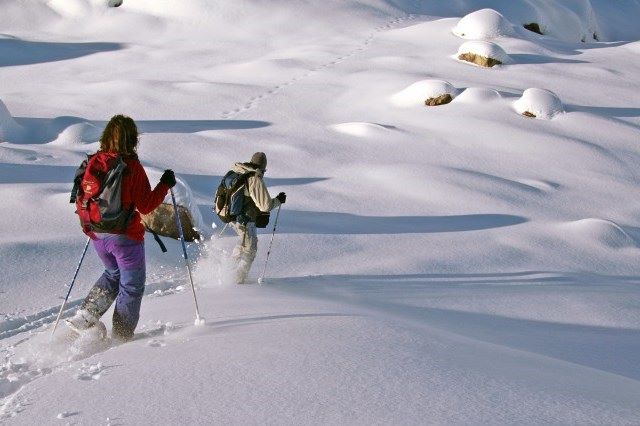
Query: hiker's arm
point(144, 198)
point(260, 195)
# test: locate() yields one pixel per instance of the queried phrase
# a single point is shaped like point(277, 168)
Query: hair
point(120, 135)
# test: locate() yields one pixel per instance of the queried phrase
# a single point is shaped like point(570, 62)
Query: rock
point(534, 27)
point(482, 53)
point(479, 60)
point(439, 100)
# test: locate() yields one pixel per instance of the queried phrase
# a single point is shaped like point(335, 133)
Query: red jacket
point(136, 192)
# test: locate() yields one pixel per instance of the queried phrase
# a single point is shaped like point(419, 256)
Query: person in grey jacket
point(257, 200)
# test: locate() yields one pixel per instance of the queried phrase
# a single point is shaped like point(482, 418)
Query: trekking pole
point(261, 279)
point(223, 229)
point(55, 325)
point(199, 320)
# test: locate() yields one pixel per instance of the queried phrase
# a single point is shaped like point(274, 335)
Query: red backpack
point(97, 193)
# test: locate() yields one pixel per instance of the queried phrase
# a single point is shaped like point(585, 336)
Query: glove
point(282, 197)
point(168, 178)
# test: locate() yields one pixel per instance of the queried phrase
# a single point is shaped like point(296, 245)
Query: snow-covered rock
point(539, 103)
point(482, 53)
point(421, 92)
point(484, 24)
point(477, 95)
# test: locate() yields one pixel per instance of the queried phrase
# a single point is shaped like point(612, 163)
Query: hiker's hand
point(168, 178)
point(282, 197)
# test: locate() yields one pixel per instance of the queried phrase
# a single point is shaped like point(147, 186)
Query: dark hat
point(260, 160)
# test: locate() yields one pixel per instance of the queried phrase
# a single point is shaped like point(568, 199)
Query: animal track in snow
point(252, 102)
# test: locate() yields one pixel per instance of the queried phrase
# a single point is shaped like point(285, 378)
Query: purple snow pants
point(122, 280)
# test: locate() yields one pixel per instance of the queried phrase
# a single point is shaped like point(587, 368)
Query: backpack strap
point(242, 180)
point(157, 238)
point(77, 179)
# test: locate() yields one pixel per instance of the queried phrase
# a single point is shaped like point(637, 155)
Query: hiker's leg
point(104, 291)
point(131, 262)
point(248, 252)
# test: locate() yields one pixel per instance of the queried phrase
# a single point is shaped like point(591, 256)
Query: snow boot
point(98, 301)
point(81, 321)
point(121, 331)
point(242, 271)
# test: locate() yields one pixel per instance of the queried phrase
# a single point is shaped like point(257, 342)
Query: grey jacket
point(256, 190)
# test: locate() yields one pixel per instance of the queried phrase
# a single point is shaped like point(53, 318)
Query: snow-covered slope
point(459, 263)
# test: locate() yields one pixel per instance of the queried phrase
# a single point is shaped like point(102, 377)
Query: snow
point(542, 103)
point(485, 24)
point(460, 264)
point(372, 130)
point(485, 49)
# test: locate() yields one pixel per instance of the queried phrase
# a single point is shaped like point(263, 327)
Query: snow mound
point(485, 24)
point(477, 95)
point(9, 129)
point(483, 53)
point(361, 129)
point(77, 134)
point(599, 231)
point(539, 103)
point(418, 93)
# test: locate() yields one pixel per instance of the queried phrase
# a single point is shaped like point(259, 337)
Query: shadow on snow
point(14, 51)
point(43, 130)
point(607, 348)
point(308, 222)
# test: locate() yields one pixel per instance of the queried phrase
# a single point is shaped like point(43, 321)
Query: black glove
point(282, 197)
point(168, 178)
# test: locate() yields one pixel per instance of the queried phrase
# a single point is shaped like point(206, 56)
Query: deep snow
point(451, 264)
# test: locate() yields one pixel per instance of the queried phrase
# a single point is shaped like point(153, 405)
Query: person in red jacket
point(122, 253)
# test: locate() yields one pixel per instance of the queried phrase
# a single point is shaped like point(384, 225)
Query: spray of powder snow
point(41, 355)
point(215, 267)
